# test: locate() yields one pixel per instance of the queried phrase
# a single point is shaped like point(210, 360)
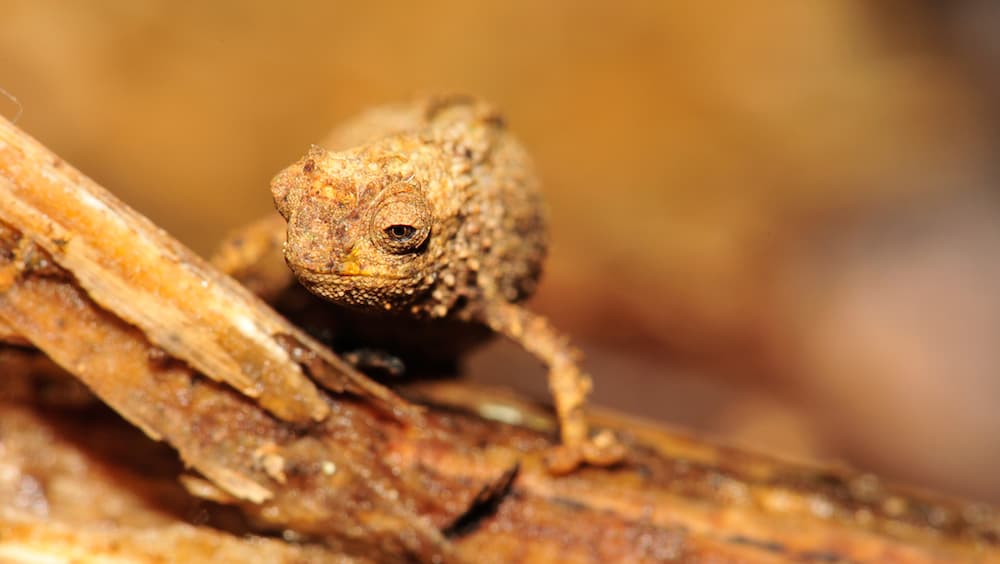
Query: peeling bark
point(194, 359)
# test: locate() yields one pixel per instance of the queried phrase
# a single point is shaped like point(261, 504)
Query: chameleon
point(436, 213)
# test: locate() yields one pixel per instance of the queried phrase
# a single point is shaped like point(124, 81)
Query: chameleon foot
point(602, 449)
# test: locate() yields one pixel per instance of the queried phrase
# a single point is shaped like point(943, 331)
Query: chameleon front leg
point(253, 255)
point(568, 384)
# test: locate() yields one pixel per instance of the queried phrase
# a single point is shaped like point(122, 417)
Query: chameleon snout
point(314, 257)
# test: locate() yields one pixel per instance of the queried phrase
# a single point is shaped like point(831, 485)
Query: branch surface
point(194, 359)
point(135, 270)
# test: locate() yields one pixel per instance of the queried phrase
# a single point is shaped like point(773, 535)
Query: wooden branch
point(85, 279)
point(79, 486)
point(39, 540)
point(127, 310)
point(303, 480)
point(123, 262)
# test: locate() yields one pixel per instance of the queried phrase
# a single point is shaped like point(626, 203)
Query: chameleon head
point(357, 235)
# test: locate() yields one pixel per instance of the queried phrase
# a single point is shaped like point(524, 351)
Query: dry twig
point(138, 319)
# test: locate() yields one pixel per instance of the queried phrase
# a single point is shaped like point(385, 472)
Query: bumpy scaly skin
point(456, 177)
point(435, 214)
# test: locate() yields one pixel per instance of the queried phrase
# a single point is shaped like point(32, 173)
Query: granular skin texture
point(463, 186)
point(435, 213)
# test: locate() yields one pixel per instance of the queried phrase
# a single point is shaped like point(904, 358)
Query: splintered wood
point(133, 314)
point(122, 261)
point(194, 359)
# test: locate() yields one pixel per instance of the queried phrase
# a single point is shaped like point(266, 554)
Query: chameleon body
point(434, 212)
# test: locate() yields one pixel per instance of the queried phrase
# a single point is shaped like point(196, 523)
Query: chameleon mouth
point(343, 266)
point(365, 275)
point(313, 275)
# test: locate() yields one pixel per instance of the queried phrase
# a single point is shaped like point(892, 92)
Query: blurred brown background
point(775, 223)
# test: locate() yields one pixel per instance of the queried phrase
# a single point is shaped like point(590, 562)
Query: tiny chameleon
point(437, 214)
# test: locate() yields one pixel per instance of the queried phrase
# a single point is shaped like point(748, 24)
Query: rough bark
point(194, 359)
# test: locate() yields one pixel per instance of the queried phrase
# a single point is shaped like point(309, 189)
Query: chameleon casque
point(434, 213)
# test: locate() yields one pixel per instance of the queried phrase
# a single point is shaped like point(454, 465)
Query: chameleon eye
point(400, 233)
point(401, 222)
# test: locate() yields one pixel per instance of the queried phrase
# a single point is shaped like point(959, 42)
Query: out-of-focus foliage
point(773, 220)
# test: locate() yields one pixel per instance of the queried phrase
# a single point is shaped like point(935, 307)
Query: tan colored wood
point(139, 319)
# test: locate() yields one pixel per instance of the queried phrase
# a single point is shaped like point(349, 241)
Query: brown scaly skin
point(438, 215)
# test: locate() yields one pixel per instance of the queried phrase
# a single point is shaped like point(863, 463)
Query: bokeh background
point(776, 223)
